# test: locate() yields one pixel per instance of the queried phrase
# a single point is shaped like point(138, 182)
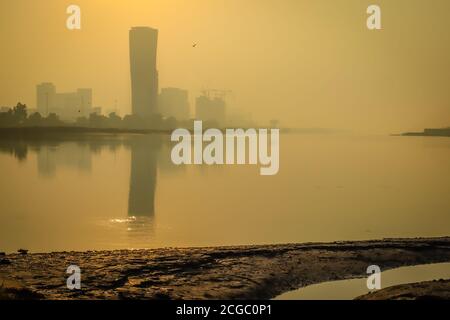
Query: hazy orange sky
point(308, 63)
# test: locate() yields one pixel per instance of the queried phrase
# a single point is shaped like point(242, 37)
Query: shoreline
point(239, 272)
point(442, 132)
point(426, 290)
point(27, 131)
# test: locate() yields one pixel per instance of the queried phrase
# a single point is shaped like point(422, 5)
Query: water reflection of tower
point(144, 154)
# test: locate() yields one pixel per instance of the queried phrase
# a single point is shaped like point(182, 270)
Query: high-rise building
point(67, 105)
point(144, 76)
point(45, 98)
point(174, 102)
point(210, 109)
point(85, 96)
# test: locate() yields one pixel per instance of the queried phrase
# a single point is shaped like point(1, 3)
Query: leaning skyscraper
point(144, 76)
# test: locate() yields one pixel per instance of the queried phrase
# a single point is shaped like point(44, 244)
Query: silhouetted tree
point(14, 117)
point(20, 112)
point(154, 122)
point(82, 122)
point(170, 123)
point(17, 116)
point(53, 120)
point(5, 118)
point(114, 121)
point(97, 121)
point(133, 121)
point(35, 119)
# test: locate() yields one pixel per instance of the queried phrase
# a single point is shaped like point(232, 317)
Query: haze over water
point(114, 192)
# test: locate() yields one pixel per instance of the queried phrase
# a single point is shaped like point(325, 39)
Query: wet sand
point(241, 272)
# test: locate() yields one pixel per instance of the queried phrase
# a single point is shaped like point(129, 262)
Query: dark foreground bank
point(244, 272)
point(427, 290)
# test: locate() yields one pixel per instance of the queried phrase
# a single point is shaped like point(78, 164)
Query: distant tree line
point(19, 117)
point(155, 122)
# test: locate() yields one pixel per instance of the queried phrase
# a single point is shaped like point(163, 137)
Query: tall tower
point(144, 76)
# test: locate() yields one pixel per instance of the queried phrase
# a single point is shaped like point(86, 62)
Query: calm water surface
point(112, 192)
point(350, 289)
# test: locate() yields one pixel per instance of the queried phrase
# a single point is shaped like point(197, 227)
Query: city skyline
point(224, 150)
point(317, 65)
point(146, 98)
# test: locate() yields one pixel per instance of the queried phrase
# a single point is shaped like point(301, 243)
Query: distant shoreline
point(42, 131)
point(20, 131)
point(444, 132)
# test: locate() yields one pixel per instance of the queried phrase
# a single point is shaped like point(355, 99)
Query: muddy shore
point(427, 290)
point(242, 272)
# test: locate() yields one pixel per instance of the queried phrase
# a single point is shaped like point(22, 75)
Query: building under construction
point(211, 107)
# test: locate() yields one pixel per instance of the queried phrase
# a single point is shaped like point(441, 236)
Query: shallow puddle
point(350, 289)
